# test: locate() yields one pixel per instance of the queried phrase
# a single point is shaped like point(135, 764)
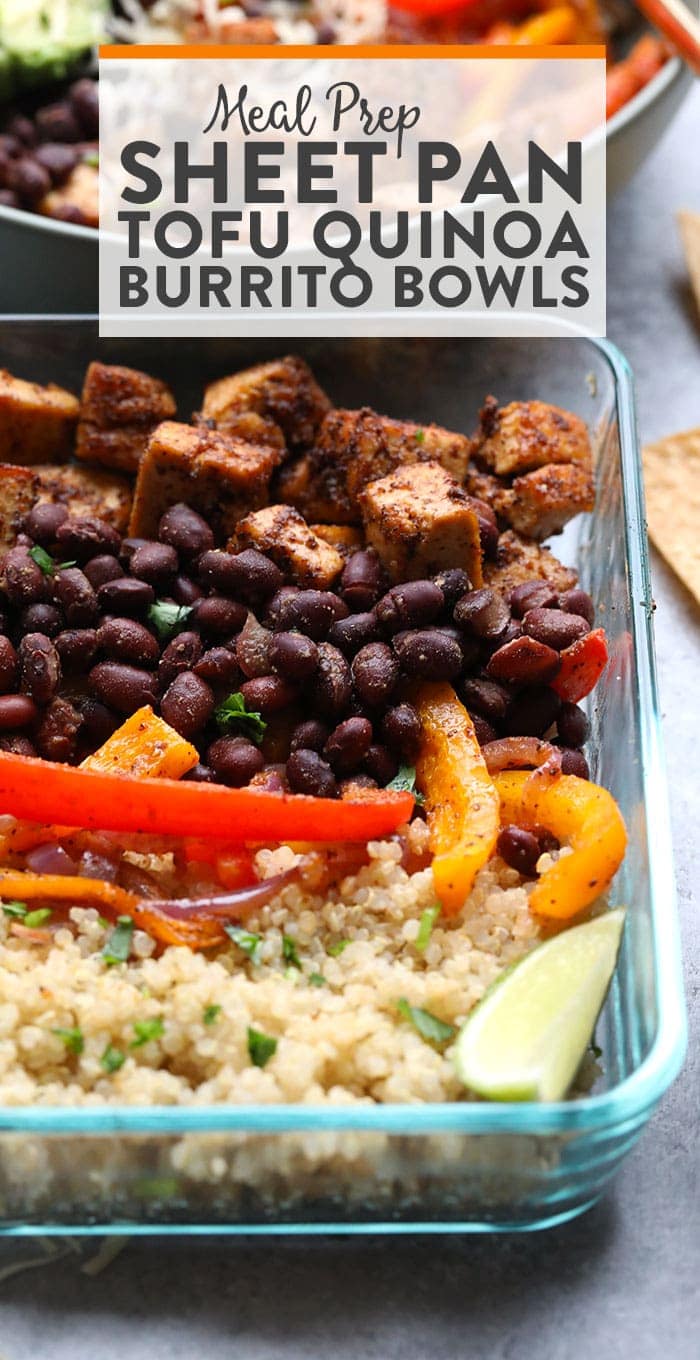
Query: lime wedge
point(526, 1038)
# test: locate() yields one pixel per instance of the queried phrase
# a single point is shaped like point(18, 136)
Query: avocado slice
point(44, 40)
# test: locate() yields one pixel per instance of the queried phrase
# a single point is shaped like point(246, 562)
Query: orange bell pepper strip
point(144, 745)
point(460, 796)
point(39, 791)
point(582, 665)
point(582, 815)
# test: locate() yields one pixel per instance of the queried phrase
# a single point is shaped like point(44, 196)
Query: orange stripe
point(367, 52)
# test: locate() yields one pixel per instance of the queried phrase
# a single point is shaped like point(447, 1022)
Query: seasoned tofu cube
point(86, 491)
point(119, 409)
point(529, 434)
point(320, 493)
point(369, 446)
point(223, 478)
point(543, 501)
point(345, 538)
point(420, 521)
point(249, 426)
point(17, 496)
point(284, 391)
point(284, 535)
point(519, 560)
point(36, 423)
point(77, 199)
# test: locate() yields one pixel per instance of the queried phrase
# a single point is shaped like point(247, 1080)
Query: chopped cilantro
point(245, 939)
point(33, 919)
point(232, 715)
point(117, 946)
point(261, 1047)
point(168, 618)
point(102, 921)
point(596, 1051)
point(18, 909)
point(317, 980)
point(43, 560)
point(425, 928)
point(405, 782)
point(210, 1014)
point(72, 1038)
point(112, 1059)
point(145, 1030)
point(428, 1025)
point(91, 158)
point(419, 436)
point(290, 953)
point(335, 949)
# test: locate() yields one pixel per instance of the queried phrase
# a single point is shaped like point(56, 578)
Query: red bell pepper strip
point(582, 665)
point(40, 791)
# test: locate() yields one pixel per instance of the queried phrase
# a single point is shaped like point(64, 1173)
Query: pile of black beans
point(80, 649)
point(39, 150)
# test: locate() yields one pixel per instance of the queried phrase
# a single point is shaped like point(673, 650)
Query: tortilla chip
point(672, 481)
point(689, 226)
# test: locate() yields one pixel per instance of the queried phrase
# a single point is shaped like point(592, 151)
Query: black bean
point(200, 774)
point(577, 601)
point(181, 654)
point(531, 595)
point(217, 616)
point(308, 772)
point(41, 618)
point(185, 531)
point(488, 528)
point(56, 736)
point(572, 725)
point(532, 712)
point(331, 687)
point(428, 654)
point(129, 547)
point(9, 199)
point(185, 591)
point(17, 745)
point(375, 674)
point(12, 146)
point(520, 849)
point(483, 730)
point(524, 661)
point(234, 760)
point(101, 569)
point(16, 710)
point(574, 762)
point(253, 647)
point(98, 722)
point(471, 647)
point(381, 764)
point(514, 630)
point(401, 730)
point(124, 688)
point(554, 628)
point(21, 129)
point(43, 521)
point(249, 575)
point(77, 648)
point(87, 537)
point(354, 632)
point(85, 104)
point(267, 694)
point(9, 666)
point(124, 639)
point(40, 667)
point(312, 612)
point(411, 605)
point(362, 581)
point(453, 583)
point(487, 698)
point(57, 159)
point(24, 581)
point(28, 179)
point(483, 612)
point(219, 666)
point(125, 595)
point(356, 784)
point(276, 616)
point(76, 597)
point(348, 744)
point(187, 704)
point(293, 656)
point(57, 123)
point(310, 735)
point(156, 563)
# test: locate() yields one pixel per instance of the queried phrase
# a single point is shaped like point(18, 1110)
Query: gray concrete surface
point(622, 1281)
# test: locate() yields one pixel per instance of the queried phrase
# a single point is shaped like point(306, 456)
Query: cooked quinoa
point(329, 1000)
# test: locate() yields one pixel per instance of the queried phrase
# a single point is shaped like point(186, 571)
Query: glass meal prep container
point(470, 1166)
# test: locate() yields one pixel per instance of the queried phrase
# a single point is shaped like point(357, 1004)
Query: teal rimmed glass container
point(412, 1168)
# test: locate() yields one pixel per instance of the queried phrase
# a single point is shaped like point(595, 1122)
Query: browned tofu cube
point(17, 496)
point(36, 423)
point(528, 434)
point(224, 479)
point(119, 409)
point(368, 446)
point(283, 534)
point(86, 491)
point(420, 521)
point(247, 425)
point(345, 538)
point(320, 493)
point(520, 560)
point(543, 501)
point(284, 391)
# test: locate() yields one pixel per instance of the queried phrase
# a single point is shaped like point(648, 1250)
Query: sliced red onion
point(93, 865)
point(516, 753)
point(253, 648)
point(225, 905)
point(50, 858)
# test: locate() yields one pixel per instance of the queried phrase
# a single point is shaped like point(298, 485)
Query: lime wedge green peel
point(526, 1038)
